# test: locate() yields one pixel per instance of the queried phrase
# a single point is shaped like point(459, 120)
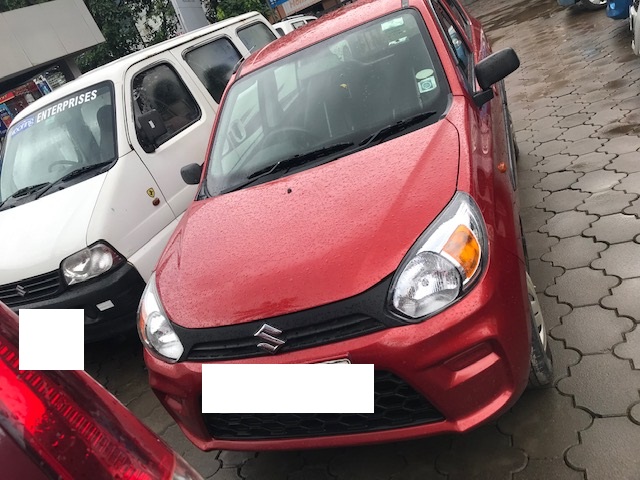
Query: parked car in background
point(358, 208)
point(292, 23)
point(634, 26)
point(586, 4)
point(64, 425)
point(90, 174)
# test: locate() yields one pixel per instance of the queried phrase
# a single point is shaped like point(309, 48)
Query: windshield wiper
point(25, 191)
point(73, 174)
point(289, 163)
point(394, 128)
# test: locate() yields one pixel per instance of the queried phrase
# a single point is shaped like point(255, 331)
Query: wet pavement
point(576, 111)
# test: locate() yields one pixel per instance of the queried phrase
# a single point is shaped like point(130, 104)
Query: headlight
point(154, 327)
point(89, 263)
point(443, 264)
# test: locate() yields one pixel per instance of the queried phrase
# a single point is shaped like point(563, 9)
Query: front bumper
point(121, 288)
point(471, 362)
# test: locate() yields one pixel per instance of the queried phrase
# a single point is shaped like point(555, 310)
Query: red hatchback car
point(358, 203)
point(63, 425)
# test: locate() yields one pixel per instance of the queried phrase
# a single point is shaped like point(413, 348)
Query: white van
point(90, 183)
point(292, 23)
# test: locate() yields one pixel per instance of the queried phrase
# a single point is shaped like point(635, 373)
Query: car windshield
point(73, 132)
point(349, 92)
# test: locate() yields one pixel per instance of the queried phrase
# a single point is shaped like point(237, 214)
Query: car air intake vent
point(397, 405)
point(31, 289)
point(239, 341)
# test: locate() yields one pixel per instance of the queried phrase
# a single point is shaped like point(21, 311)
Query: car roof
point(115, 70)
point(327, 26)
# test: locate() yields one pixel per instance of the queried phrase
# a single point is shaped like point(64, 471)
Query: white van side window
point(213, 63)
point(255, 36)
point(160, 88)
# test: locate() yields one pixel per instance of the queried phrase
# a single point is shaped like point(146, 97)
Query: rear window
point(213, 63)
point(256, 36)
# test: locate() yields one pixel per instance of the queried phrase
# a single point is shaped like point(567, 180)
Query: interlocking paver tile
point(568, 224)
point(204, 462)
point(571, 115)
point(546, 469)
point(558, 181)
point(526, 161)
point(310, 473)
point(617, 130)
point(634, 413)
point(622, 260)
point(607, 203)
point(563, 358)
point(482, 454)
point(553, 310)
point(538, 244)
point(529, 178)
point(523, 134)
point(591, 162)
point(574, 252)
point(609, 450)
point(370, 463)
point(625, 299)
point(271, 465)
point(605, 117)
point(626, 163)
point(543, 274)
point(527, 147)
point(541, 123)
point(420, 456)
point(592, 329)
point(233, 459)
point(630, 183)
point(633, 209)
point(621, 144)
point(582, 147)
point(533, 218)
point(596, 107)
point(549, 133)
point(582, 286)
point(530, 197)
point(176, 440)
point(614, 228)
point(549, 435)
point(630, 348)
point(564, 200)
point(227, 474)
point(578, 133)
point(554, 163)
point(541, 112)
point(549, 148)
point(603, 384)
point(598, 181)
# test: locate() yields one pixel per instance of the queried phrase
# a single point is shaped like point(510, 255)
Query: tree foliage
point(117, 19)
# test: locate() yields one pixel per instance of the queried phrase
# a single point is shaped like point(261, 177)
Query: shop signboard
point(292, 6)
point(275, 3)
point(6, 96)
point(5, 118)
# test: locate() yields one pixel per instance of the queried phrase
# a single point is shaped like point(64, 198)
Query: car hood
point(308, 239)
point(38, 235)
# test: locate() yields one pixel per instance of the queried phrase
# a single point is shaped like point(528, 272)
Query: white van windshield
point(75, 132)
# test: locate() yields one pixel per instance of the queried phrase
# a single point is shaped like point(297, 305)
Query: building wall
point(40, 34)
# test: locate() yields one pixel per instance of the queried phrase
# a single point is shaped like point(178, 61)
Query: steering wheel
point(61, 162)
point(297, 137)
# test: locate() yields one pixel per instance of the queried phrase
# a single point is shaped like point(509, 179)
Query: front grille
point(238, 341)
point(397, 405)
point(33, 289)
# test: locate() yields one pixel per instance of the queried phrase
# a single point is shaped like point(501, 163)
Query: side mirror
point(492, 69)
point(152, 126)
point(191, 173)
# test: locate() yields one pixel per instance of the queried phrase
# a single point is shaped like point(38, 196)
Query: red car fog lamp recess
point(469, 357)
point(66, 437)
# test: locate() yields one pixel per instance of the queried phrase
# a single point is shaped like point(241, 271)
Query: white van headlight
point(90, 262)
point(154, 327)
point(443, 264)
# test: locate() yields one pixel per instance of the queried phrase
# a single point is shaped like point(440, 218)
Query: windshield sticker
point(68, 103)
point(23, 125)
point(426, 81)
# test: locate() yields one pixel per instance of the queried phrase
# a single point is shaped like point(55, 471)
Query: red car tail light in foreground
point(74, 432)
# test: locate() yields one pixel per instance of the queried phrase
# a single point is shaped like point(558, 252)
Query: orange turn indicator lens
point(464, 248)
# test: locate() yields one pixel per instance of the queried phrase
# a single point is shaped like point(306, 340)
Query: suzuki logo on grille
point(270, 336)
point(20, 290)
